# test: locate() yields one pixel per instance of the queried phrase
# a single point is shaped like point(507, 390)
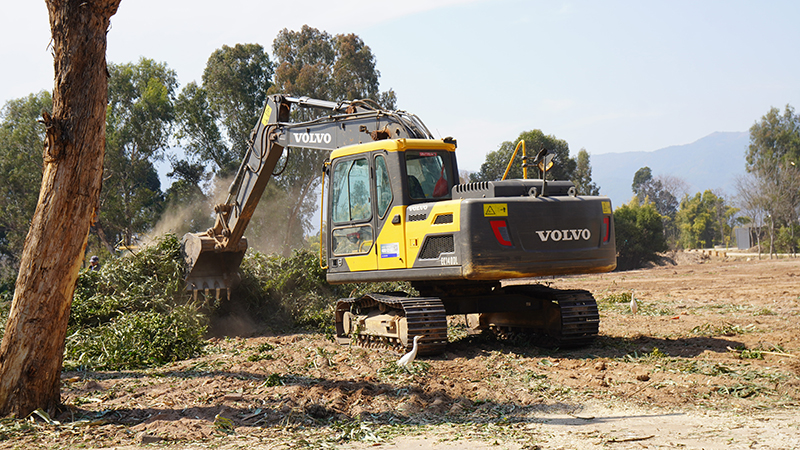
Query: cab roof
point(394, 145)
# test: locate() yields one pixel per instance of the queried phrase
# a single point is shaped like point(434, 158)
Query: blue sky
point(610, 76)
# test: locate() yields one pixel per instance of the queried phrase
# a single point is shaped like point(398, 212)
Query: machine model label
point(391, 250)
point(448, 260)
point(495, 210)
point(312, 138)
point(565, 235)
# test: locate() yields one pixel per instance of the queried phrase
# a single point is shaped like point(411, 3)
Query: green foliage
point(771, 195)
point(774, 140)
point(639, 234)
point(787, 238)
point(497, 161)
point(288, 290)
point(722, 329)
point(138, 339)
point(21, 142)
point(134, 312)
point(650, 189)
point(393, 371)
point(139, 122)
point(313, 63)
point(198, 131)
point(235, 84)
point(292, 291)
point(622, 297)
point(704, 220)
point(582, 177)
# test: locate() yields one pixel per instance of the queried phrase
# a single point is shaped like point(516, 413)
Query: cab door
point(390, 250)
point(352, 218)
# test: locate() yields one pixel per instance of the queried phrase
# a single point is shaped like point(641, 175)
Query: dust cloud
point(268, 230)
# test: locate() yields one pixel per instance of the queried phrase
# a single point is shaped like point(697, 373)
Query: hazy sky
point(610, 76)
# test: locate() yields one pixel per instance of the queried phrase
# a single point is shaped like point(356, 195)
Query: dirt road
point(710, 360)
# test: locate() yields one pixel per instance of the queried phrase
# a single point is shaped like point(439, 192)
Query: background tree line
point(148, 115)
point(664, 215)
point(766, 202)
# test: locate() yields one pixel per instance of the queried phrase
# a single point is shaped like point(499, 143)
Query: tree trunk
point(32, 349)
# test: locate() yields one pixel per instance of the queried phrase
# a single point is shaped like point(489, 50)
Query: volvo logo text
point(312, 138)
point(564, 235)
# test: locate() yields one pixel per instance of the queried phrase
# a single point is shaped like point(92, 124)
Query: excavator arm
point(213, 257)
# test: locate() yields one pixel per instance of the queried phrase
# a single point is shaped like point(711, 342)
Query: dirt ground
point(710, 360)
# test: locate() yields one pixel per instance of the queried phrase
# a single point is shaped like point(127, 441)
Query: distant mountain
point(712, 162)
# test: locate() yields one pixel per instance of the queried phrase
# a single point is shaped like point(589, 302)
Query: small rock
point(457, 408)
point(643, 377)
point(147, 438)
point(437, 405)
point(233, 397)
point(601, 365)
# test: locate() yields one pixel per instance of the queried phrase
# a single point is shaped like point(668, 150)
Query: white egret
point(409, 357)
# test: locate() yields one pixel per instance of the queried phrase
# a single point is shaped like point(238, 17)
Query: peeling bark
point(32, 349)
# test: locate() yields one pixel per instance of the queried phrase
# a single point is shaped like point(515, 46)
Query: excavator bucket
point(209, 270)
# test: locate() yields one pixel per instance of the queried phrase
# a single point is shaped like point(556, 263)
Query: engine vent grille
point(443, 218)
point(417, 217)
point(436, 245)
point(472, 187)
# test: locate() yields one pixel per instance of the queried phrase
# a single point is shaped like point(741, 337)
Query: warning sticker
point(495, 210)
point(390, 250)
point(265, 117)
point(606, 207)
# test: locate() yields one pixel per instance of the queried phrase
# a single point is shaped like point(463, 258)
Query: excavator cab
point(371, 187)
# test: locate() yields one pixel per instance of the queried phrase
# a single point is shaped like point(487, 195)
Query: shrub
point(639, 233)
point(134, 312)
point(787, 239)
point(292, 291)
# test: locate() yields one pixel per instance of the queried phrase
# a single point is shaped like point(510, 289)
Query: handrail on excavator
point(524, 161)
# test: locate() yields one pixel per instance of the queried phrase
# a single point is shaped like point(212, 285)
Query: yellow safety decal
point(606, 207)
point(495, 210)
point(265, 117)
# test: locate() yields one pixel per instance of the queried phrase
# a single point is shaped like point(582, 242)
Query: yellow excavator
point(395, 211)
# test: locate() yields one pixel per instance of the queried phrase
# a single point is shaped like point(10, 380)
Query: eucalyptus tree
point(141, 113)
point(316, 64)
point(773, 159)
point(582, 177)
point(32, 350)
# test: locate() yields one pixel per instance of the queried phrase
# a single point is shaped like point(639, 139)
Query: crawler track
point(576, 310)
point(412, 316)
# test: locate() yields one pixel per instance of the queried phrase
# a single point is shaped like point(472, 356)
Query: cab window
point(383, 187)
point(351, 197)
point(352, 240)
point(429, 174)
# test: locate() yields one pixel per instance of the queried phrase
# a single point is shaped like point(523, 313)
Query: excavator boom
point(213, 257)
